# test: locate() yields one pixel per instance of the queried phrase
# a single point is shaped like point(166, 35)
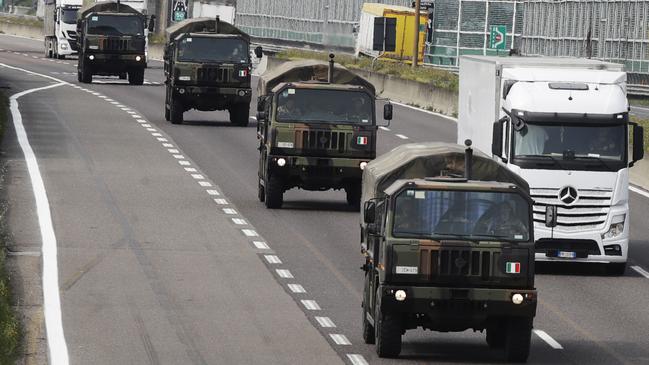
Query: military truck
point(446, 250)
point(317, 130)
point(207, 67)
point(111, 42)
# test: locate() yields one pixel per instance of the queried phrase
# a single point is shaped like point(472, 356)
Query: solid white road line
point(639, 191)
point(325, 322)
point(401, 136)
point(548, 339)
point(260, 245)
point(340, 339)
point(297, 289)
point(58, 349)
point(641, 271)
point(357, 359)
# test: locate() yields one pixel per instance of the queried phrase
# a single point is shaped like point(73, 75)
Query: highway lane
point(316, 236)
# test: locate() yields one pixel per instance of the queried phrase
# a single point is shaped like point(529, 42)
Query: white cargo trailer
point(60, 27)
point(563, 125)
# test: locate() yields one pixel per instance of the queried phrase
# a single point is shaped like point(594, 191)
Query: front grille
point(447, 263)
point(114, 44)
point(213, 75)
point(323, 140)
point(588, 212)
point(546, 245)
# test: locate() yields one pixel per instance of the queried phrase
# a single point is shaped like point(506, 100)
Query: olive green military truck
point(111, 42)
point(444, 251)
point(207, 67)
point(317, 130)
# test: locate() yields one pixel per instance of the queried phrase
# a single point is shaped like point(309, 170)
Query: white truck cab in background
point(563, 125)
point(60, 27)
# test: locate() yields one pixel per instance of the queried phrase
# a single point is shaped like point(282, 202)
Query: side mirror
point(497, 138)
point(259, 52)
point(387, 111)
point(638, 143)
point(369, 212)
point(151, 23)
point(551, 215)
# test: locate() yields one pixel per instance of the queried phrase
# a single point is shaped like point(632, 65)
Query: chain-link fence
point(464, 27)
point(320, 22)
point(616, 31)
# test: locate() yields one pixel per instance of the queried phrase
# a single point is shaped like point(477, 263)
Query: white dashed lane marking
point(225, 202)
point(198, 176)
point(184, 163)
point(311, 305)
point(325, 322)
point(384, 128)
point(284, 274)
point(260, 245)
point(213, 192)
point(401, 136)
point(229, 211)
point(248, 232)
point(548, 339)
point(297, 289)
point(273, 259)
point(239, 221)
point(641, 271)
point(340, 339)
point(357, 359)
point(205, 184)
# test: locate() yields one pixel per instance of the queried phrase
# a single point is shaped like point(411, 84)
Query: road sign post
point(498, 37)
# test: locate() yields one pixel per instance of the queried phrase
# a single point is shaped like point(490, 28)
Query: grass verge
point(428, 75)
point(21, 20)
point(10, 333)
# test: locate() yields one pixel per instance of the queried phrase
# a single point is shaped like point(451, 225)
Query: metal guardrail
point(638, 90)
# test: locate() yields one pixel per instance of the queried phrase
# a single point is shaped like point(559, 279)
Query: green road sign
point(180, 16)
point(498, 38)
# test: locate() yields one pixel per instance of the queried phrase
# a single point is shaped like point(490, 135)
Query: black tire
point(79, 77)
point(176, 112)
point(496, 334)
point(61, 56)
point(616, 269)
point(261, 192)
point(240, 114)
point(368, 330)
point(388, 333)
point(354, 195)
point(136, 76)
point(86, 75)
point(517, 339)
point(167, 113)
point(274, 192)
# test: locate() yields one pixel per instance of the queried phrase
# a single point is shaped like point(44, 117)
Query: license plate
point(567, 254)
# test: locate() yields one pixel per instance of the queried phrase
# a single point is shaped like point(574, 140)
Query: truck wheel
point(136, 77)
point(368, 329)
point(60, 56)
point(274, 192)
point(167, 113)
point(176, 112)
point(261, 193)
point(388, 333)
point(86, 75)
point(239, 114)
point(496, 335)
point(517, 339)
point(354, 195)
point(616, 269)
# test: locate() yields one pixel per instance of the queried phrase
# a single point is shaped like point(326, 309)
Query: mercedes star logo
point(568, 195)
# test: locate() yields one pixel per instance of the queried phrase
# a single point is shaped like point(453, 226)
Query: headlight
point(183, 78)
point(138, 58)
point(517, 298)
point(64, 46)
point(281, 162)
point(91, 57)
point(362, 165)
point(616, 228)
point(400, 295)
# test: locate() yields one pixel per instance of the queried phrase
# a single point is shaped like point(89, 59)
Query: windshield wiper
point(547, 157)
point(593, 158)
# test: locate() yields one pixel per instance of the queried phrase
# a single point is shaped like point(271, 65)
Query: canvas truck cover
point(309, 70)
point(199, 25)
point(105, 7)
point(420, 160)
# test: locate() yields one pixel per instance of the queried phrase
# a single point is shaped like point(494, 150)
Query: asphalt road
point(126, 211)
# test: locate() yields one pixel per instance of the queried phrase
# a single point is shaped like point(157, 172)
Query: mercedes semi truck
point(563, 125)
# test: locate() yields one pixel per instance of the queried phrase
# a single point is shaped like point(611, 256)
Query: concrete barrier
point(403, 91)
point(23, 30)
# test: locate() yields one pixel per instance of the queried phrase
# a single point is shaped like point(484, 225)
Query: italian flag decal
point(243, 73)
point(361, 140)
point(513, 268)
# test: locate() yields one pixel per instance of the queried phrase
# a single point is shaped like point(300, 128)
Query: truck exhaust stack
point(330, 79)
point(468, 159)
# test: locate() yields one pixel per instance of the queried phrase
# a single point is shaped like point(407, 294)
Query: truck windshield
point(115, 25)
point(464, 215)
point(210, 49)
point(324, 106)
point(555, 143)
point(69, 15)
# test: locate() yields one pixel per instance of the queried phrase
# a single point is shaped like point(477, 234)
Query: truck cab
point(446, 253)
point(59, 23)
point(317, 130)
point(208, 67)
point(563, 125)
point(112, 42)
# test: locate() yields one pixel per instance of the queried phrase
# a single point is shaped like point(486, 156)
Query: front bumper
point(613, 250)
point(333, 168)
point(231, 94)
point(440, 303)
point(115, 61)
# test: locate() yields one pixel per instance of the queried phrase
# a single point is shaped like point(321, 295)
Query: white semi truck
point(60, 27)
point(563, 125)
